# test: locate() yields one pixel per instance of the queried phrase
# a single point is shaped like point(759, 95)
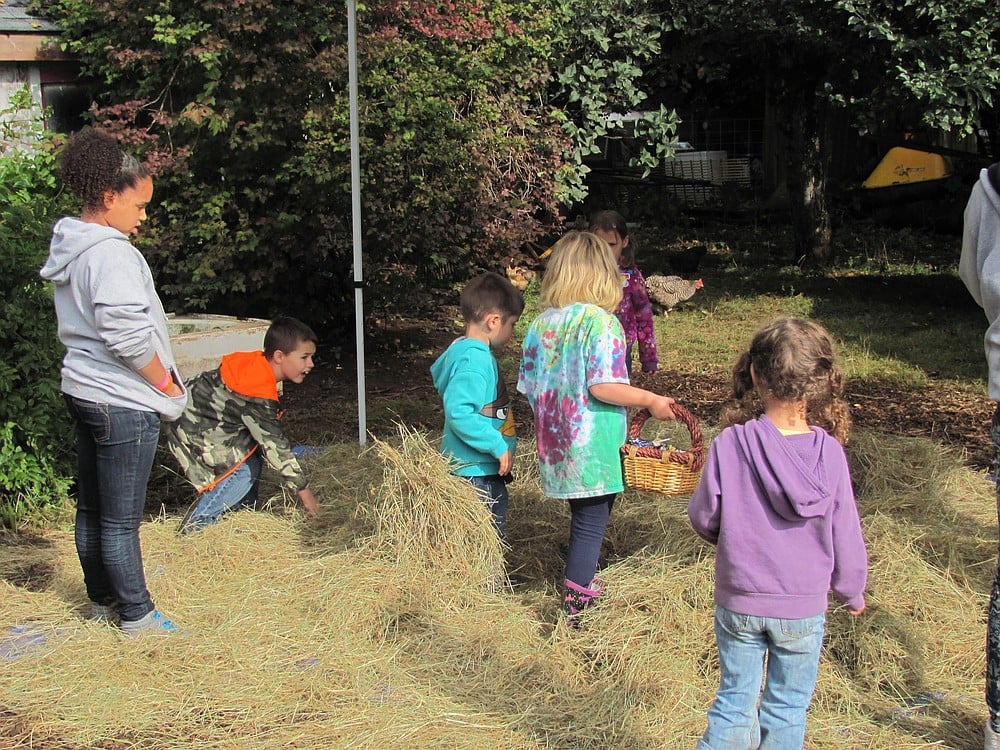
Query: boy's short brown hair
point(490, 293)
point(285, 335)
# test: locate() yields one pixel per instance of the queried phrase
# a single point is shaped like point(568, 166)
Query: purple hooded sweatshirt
point(781, 510)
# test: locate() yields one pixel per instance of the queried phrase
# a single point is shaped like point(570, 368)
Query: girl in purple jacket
point(635, 312)
point(775, 498)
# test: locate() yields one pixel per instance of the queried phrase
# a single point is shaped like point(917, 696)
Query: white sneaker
point(992, 739)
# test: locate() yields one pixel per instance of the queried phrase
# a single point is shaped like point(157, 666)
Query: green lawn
point(895, 305)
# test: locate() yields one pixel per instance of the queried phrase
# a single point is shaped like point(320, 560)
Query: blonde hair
point(582, 268)
point(793, 360)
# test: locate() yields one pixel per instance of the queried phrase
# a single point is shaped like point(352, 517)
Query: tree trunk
point(808, 171)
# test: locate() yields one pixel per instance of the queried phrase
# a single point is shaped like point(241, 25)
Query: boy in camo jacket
point(231, 426)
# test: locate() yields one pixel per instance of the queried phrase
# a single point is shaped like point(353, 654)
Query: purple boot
point(577, 598)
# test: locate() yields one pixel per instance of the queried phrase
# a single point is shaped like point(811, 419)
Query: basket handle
point(695, 455)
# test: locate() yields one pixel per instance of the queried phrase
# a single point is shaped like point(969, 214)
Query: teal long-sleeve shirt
point(478, 420)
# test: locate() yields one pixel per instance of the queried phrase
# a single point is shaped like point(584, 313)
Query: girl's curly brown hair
point(794, 361)
point(92, 163)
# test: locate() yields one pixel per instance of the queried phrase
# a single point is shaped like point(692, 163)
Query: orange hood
point(249, 374)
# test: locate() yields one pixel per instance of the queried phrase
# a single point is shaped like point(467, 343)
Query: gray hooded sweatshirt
point(979, 265)
point(110, 318)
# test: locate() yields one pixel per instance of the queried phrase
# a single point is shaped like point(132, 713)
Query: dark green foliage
point(34, 426)
point(474, 119)
point(886, 66)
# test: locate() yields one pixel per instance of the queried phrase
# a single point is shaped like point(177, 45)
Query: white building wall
point(14, 76)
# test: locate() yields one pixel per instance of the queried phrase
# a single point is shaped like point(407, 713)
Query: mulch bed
point(957, 420)
point(325, 405)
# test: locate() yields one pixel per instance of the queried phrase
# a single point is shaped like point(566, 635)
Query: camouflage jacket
point(232, 412)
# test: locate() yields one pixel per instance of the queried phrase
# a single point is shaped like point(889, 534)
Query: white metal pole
point(359, 307)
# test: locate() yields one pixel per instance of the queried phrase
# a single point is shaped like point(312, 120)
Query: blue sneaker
point(153, 622)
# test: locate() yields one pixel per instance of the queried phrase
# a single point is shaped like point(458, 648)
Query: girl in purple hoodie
point(775, 498)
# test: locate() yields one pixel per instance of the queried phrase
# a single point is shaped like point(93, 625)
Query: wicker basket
point(668, 472)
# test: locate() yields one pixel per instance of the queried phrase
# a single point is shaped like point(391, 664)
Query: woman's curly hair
point(793, 359)
point(93, 163)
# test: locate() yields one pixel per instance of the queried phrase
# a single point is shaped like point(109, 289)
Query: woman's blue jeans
point(993, 614)
point(792, 650)
point(115, 452)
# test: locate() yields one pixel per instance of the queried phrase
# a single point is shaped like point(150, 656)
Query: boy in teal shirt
point(479, 436)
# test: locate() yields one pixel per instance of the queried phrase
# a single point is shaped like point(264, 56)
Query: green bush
point(31, 488)
point(34, 426)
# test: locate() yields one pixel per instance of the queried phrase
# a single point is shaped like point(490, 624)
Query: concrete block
point(199, 341)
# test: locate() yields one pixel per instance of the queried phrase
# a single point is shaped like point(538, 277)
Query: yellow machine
point(906, 166)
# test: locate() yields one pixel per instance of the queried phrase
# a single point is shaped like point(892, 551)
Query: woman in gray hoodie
point(979, 268)
point(118, 375)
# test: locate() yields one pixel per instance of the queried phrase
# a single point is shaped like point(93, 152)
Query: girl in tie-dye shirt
point(575, 376)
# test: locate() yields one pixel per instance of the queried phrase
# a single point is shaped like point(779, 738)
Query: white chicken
point(670, 291)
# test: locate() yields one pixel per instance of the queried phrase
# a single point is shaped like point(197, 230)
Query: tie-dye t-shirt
point(567, 350)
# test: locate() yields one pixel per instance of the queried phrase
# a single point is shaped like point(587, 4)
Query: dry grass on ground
point(375, 626)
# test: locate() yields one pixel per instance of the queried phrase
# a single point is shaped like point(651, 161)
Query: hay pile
point(377, 626)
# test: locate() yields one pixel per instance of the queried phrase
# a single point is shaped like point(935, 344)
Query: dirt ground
point(398, 356)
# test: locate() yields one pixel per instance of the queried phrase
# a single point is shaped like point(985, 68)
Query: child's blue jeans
point(238, 490)
point(792, 650)
point(494, 491)
point(586, 533)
